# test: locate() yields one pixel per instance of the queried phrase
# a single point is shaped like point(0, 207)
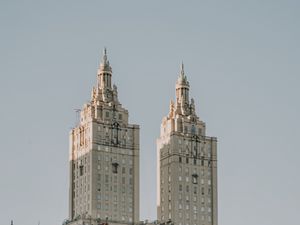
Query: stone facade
point(104, 159)
point(187, 164)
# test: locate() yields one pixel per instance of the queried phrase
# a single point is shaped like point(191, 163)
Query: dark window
point(81, 170)
point(180, 160)
point(187, 160)
point(115, 167)
point(195, 178)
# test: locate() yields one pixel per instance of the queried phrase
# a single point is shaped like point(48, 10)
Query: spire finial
point(182, 69)
point(104, 58)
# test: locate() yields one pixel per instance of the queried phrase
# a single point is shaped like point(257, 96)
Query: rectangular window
point(115, 167)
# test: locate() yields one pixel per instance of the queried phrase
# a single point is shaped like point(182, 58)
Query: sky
point(241, 59)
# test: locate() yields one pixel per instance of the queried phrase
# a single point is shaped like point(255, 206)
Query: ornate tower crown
point(182, 90)
point(104, 65)
point(182, 79)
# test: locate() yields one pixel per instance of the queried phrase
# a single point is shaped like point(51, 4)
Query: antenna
point(77, 111)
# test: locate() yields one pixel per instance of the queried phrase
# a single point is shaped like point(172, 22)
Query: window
point(187, 188)
point(195, 179)
point(187, 160)
point(106, 114)
point(209, 218)
point(81, 170)
point(180, 160)
point(195, 190)
point(120, 116)
point(115, 167)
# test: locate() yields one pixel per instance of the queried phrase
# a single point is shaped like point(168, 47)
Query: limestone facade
point(104, 159)
point(187, 164)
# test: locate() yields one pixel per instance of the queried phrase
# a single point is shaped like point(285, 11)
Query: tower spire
point(104, 62)
point(182, 90)
point(182, 70)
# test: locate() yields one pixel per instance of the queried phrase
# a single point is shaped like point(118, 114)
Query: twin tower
point(104, 162)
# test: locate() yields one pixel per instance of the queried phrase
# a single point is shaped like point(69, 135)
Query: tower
point(104, 159)
point(187, 164)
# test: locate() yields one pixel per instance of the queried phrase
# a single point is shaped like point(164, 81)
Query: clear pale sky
point(242, 61)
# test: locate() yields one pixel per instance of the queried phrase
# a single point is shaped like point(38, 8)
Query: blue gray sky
point(242, 61)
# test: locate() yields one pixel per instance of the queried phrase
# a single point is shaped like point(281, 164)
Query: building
point(104, 159)
point(187, 164)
